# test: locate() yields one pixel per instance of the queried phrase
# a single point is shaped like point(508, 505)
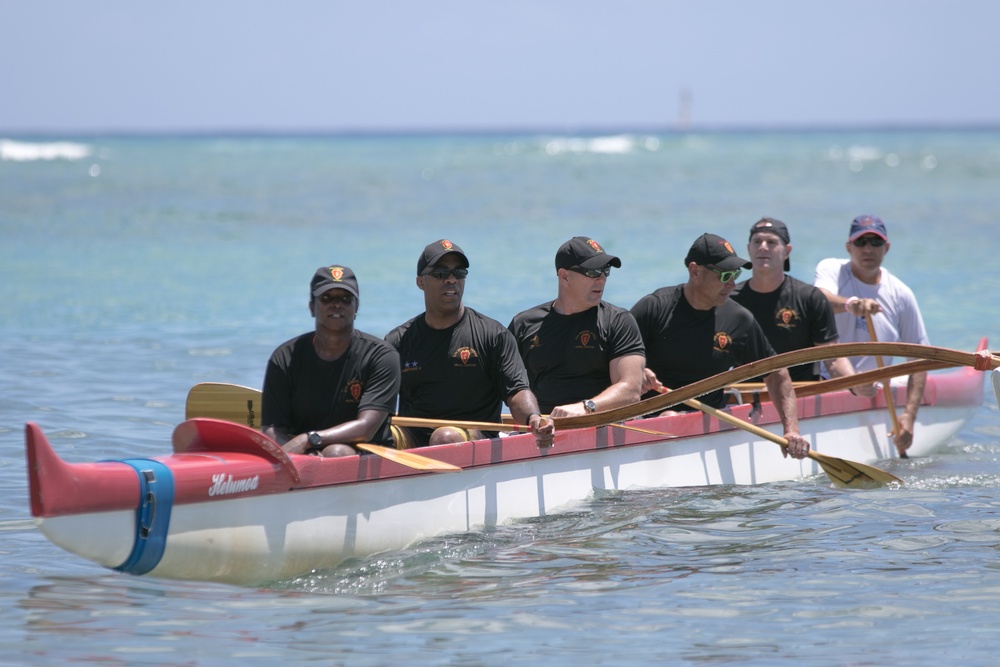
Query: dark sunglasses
point(345, 299)
point(592, 273)
point(442, 274)
point(873, 241)
point(726, 276)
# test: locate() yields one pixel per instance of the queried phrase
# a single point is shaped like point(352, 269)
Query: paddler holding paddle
point(694, 330)
point(457, 363)
point(864, 294)
point(333, 387)
point(582, 353)
point(794, 315)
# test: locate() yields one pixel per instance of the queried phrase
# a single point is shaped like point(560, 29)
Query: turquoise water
point(153, 263)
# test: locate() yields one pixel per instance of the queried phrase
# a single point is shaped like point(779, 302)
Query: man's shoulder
point(832, 264)
point(532, 314)
point(372, 341)
point(794, 285)
point(474, 317)
point(663, 294)
point(612, 308)
point(734, 309)
point(396, 335)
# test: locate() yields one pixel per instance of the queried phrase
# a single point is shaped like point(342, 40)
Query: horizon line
point(586, 130)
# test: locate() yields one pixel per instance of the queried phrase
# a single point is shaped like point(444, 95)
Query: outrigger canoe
point(230, 505)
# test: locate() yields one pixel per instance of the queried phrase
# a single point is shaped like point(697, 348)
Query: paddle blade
point(229, 402)
point(409, 459)
point(853, 475)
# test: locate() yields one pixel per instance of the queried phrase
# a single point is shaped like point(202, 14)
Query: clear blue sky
point(330, 65)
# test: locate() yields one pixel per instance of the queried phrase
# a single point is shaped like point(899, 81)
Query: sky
point(467, 65)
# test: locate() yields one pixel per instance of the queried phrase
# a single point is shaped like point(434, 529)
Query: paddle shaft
point(421, 422)
point(840, 471)
point(887, 386)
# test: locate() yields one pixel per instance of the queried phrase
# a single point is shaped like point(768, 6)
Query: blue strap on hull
point(156, 499)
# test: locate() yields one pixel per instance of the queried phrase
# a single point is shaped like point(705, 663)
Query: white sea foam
point(619, 144)
point(23, 151)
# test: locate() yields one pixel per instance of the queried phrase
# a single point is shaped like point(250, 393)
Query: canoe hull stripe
point(152, 519)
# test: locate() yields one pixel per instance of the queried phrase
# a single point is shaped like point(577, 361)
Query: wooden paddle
point(409, 459)
point(234, 403)
point(840, 471)
point(807, 388)
point(886, 387)
point(422, 422)
point(508, 419)
point(980, 361)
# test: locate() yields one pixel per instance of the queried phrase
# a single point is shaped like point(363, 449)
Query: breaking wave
point(23, 151)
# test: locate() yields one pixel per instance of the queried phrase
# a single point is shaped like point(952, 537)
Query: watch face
point(315, 439)
point(590, 406)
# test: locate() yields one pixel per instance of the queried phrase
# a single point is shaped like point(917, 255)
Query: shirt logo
point(354, 388)
point(534, 342)
point(584, 337)
point(465, 355)
point(411, 366)
point(722, 341)
point(786, 318)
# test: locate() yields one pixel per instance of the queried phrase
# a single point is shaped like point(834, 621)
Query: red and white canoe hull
point(244, 513)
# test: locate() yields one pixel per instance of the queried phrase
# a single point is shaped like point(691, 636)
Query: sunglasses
point(345, 299)
point(726, 276)
point(873, 241)
point(442, 273)
point(592, 273)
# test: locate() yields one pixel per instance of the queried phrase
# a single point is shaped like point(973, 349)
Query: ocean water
point(132, 268)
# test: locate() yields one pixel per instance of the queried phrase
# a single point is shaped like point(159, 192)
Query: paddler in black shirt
point(582, 353)
point(694, 331)
point(335, 386)
point(794, 315)
point(457, 363)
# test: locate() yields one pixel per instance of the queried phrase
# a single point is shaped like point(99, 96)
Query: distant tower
point(684, 109)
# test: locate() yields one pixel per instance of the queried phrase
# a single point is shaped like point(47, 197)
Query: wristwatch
point(315, 440)
point(589, 406)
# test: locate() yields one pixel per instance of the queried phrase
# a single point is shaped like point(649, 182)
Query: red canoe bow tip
point(59, 488)
point(40, 457)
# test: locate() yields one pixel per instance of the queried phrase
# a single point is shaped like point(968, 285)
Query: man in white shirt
point(859, 287)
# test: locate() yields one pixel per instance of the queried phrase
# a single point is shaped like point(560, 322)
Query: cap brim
point(600, 261)
point(431, 262)
point(882, 236)
point(733, 262)
point(326, 288)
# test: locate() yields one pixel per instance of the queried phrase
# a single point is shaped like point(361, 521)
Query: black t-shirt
point(684, 345)
point(303, 392)
point(464, 372)
point(568, 356)
point(794, 316)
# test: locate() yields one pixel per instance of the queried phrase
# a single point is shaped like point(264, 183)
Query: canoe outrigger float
point(230, 505)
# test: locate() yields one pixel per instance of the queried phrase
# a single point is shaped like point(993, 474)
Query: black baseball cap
point(327, 278)
point(433, 253)
point(586, 253)
point(774, 226)
point(713, 250)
